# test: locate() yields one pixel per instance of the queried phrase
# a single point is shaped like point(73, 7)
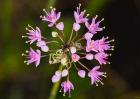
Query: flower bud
point(54, 34)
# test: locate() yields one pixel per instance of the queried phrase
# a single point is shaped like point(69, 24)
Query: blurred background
point(19, 81)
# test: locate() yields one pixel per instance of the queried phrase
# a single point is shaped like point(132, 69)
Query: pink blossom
point(34, 56)
point(60, 26)
point(92, 46)
point(94, 27)
point(79, 15)
point(96, 75)
point(103, 45)
point(66, 86)
point(82, 73)
point(75, 57)
point(51, 17)
point(33, 35)
point(101, 57)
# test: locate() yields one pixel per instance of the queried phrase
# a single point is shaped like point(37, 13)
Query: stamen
point(25, 61)
point(31, 27)
point(24, 36)
point(27, 51)
point(45, 11)
point(87, 15)
point(102, 20)
point(51, 7)
point(96, 16)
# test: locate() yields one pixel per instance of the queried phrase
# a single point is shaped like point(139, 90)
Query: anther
point(22, 54)
point(102, 19)
point(87, 15)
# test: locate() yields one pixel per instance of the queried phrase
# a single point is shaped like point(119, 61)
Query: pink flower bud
point(58, 73)
point(72, 50)
point(40, 43)
point(55, 78)
point(89, 56)
point(76, 27)
point(88, 36)
point(82, 73)
point(44, 48)
point(60, 26)
point(75, 57)
point(64, 73)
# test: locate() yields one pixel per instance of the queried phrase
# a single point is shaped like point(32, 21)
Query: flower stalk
point(55, 87)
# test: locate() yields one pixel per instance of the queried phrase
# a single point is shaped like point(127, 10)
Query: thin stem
point(82, 38)
point(71, 36)
point(61, 38)
point(83, 65)
point(55, 87)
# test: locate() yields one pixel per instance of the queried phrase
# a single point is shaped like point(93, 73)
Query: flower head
point(67, 86)
point(51, 17)
point(72, 50)
point(96, 75)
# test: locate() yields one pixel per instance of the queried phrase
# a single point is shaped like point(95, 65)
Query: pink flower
point(34, 56)
point(103, 45)
point(52, 17)
point(33, 35)
point(75, 57)
point(92, 46)
point(94, 27)
point(79, 15)
point(60, 26)
point(101, 57)
point(66, 86)
point(96, 75)
point(82, 73)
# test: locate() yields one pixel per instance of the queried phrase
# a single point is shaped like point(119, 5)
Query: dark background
point(19, 81)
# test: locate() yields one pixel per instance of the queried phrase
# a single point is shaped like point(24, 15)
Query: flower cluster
point(71, 50)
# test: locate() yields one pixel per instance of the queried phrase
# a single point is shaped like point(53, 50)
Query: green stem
point(55, 87)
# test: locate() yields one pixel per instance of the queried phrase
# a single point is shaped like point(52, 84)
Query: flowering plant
point(72, 50)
